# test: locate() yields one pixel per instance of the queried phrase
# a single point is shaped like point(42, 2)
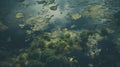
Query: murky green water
point(59, 33)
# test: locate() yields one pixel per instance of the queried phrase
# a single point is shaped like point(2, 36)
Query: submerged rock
point(46, 2)
point(41, 2)
point(53, 7)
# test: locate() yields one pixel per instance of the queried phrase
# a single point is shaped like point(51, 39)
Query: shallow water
point(59, 33)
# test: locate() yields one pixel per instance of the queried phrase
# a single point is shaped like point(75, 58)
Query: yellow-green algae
point(19, 15)
point(2, 26)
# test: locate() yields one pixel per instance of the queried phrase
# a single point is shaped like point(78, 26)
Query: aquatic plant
point(2, 26)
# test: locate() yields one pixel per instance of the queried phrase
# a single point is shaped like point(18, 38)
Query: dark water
point(59, 33)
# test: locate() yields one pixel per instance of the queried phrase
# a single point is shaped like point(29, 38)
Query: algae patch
point(2, 26)
point(19, 15)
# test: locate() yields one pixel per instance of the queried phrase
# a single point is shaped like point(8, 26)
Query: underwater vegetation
point(59, 33)
point(2, 26)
